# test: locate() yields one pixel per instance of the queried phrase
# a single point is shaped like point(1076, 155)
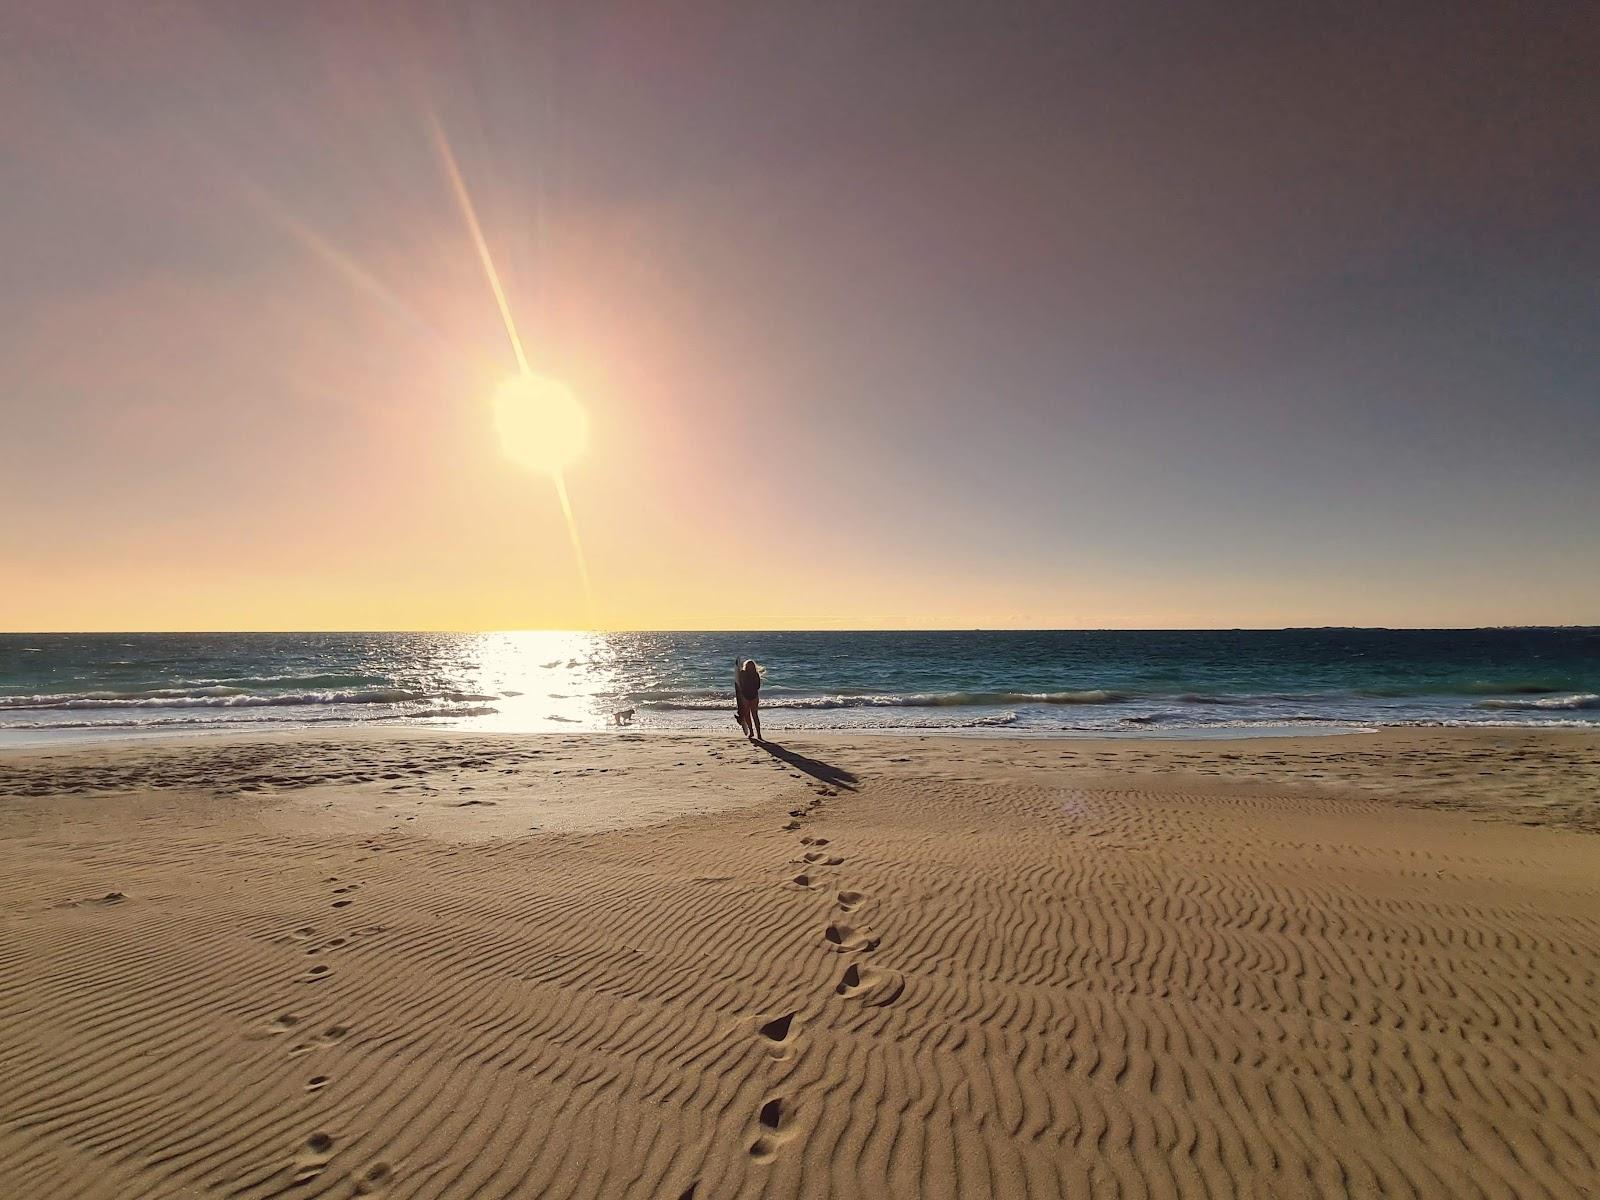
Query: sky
point(889, 315)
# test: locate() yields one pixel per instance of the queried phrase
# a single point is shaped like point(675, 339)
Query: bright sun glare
point(542, 425)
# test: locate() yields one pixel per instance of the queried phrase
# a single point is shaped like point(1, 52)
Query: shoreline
point(25, 740)
point(14, 740)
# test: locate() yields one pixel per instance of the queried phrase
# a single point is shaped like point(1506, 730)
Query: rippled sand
point(461, 966)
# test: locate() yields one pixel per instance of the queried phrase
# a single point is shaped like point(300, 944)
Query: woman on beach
point(747, 675)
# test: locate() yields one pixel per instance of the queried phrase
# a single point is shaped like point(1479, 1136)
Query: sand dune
point(877, 968)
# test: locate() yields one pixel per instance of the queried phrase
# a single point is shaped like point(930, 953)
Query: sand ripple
point(917, 975)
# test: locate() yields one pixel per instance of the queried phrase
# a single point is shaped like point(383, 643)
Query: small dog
point(623, 716)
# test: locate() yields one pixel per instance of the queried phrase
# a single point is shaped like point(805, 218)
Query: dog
point(623, 716)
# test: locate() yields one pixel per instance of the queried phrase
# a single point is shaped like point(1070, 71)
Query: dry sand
point(630, 966)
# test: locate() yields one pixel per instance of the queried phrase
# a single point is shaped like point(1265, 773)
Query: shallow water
point(1165, 683)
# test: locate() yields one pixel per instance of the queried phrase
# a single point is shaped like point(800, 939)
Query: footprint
point(313, 1157)
point(316, 1083)
point(283, 1024)
point(316, 972)
point(341, 903)
point(777, 1030)
point(791, 826)
point(872, 986)
point(845, 937)
point(374, 1179)
point(806, 881)
point(849, 901)
point(813, 841)
point(819, 858)
point(334, 1033)
point(775, 1119)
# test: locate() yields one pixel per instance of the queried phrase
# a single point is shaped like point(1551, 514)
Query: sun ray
point(577, 547)
point(448, 158)
point(347, 266)
point(464, 199)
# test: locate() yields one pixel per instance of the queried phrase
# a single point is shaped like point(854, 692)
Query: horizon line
point(823, 629)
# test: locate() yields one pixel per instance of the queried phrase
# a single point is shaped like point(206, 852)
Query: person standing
point(747, 674)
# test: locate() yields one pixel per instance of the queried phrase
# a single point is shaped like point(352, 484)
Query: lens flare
point(542, 426)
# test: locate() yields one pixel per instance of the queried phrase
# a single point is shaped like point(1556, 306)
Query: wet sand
point(649, 966)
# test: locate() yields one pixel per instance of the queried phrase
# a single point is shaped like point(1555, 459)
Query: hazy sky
point(1109, 314)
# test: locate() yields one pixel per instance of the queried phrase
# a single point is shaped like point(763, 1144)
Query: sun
point(542, 425)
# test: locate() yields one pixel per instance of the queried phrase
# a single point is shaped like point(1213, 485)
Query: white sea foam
point(1585, 700)
point(230, 697)
point(711, 699)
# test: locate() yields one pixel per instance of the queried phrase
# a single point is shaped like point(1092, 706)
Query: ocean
point(56, 687)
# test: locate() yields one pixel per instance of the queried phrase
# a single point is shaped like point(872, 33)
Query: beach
point(450, 964)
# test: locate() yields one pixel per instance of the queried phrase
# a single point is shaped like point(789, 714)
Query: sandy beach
point(447, 965)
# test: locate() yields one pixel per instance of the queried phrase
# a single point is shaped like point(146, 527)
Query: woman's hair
point(750, 662)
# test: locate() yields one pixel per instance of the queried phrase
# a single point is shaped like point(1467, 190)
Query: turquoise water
point(1175, 683)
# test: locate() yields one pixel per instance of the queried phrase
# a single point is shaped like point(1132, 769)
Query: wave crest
point(694, 701)
point(229, 697)
point(1585, 700)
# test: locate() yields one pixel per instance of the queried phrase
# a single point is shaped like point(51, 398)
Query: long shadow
point(826, 772)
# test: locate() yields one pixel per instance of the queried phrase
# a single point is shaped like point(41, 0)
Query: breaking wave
point(233, 697)
point(1586, 700)
point(209, 721)
point(705, 698)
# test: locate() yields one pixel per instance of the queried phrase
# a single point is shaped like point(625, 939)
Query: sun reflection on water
point(546, 680)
